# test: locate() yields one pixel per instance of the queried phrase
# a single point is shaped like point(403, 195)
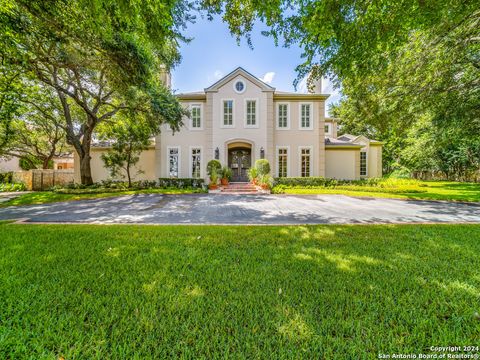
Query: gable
point(239, 73)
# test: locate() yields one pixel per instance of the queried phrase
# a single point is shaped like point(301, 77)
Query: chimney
point(314, 85)
point(165, 77)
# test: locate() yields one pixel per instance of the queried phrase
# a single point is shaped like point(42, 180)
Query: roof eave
point(300, 96)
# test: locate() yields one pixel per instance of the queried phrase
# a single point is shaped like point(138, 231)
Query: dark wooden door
point(239, 160)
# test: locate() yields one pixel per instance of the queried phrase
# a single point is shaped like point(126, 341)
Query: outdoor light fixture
point(262, 153)
point(217, 153)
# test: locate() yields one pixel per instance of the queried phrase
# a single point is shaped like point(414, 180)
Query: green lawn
point(43, 197)
point(244, 292)
point(421, 190)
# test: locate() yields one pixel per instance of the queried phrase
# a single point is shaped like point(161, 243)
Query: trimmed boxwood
point(262, 166)
point(180, 183)
point(318, 181)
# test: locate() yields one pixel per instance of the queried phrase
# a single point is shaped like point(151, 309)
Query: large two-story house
point(240, 119)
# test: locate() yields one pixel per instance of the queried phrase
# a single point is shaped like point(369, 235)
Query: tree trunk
point(129, 177)
point(85, 169)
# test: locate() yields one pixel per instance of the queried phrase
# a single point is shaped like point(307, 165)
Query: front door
point(239, 160)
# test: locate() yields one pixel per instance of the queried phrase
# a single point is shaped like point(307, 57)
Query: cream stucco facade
point(240, 119)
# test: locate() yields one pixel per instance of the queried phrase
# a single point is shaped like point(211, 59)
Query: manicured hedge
point(181, 183)
point(318, 181)
point(10, 187)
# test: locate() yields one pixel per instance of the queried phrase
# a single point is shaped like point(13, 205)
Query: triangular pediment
point(239, 72)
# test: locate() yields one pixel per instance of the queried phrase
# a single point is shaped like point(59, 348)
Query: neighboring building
point(240, 119)
point(8, 164)
point(63, 162)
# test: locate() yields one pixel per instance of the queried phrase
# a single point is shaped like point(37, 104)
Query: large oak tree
point(100, 57)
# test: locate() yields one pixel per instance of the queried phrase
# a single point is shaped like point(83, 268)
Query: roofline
point(191, 96)
point(342, 147)
point(209, 89)
point(294, 96)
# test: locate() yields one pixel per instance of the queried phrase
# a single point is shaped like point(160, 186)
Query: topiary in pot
point(214, 165)
point(213, 179)
point(253, 175)
point(262, 166)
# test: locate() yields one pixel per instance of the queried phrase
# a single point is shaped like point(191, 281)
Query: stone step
point(239, 190)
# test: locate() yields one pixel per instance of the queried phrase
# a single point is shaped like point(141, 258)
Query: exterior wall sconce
point(217, 153)
point(262, 153)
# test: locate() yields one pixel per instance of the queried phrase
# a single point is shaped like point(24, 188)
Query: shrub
point(214, 176)
point(7, 187)
point(265, 181)
point(226, 173)
point(262, 166)
point(181, 183)
point(252, 174)
point(6, 177)
point(213, 165)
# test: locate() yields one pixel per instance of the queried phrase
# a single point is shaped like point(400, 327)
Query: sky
point(213, 53)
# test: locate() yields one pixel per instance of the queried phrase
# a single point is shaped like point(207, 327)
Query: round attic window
point(239, 86)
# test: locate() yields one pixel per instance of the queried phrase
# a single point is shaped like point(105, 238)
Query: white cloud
point(217, 74)
point(268, 77)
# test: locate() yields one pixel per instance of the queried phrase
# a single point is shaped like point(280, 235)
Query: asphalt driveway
point(245, 209)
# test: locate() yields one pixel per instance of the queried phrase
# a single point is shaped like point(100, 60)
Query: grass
point(420, 190)
point(245, 292)
point(43, 197)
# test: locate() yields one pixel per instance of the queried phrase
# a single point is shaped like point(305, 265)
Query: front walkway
point(246, 209)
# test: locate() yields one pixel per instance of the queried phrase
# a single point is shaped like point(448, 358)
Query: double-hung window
point(227, 112)
point(363, 163)
point(173, 162)
point(305, 116)
point(196, 116)
point(196, 162)
point(282, 116)
point(251, 110)
point(282, 162)
point(305, 162)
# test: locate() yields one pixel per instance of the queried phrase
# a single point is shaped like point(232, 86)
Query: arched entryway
point(239, 160)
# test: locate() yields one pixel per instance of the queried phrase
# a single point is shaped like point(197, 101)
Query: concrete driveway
point(245, 209)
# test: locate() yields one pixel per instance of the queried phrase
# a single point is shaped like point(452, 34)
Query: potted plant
point(226, 175)
point(266, 182)
point(213, 179)
point(213, 165)
point(253, 175)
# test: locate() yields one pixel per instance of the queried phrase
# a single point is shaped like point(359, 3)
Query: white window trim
point(190, 163)
point(300, 160)
point(235, 83)
point(179, 160)
point(289, 155)
point(288, 115)
point(329, 132)
point(300, 116)
point(222, 125)
point(245, 125)
point(201, 117)
point(366, 164)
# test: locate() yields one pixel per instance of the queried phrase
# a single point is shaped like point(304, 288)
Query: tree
point(100, 57)
point(131, 138)
point(38, 129)
point(406, 68)
point(343, 38)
